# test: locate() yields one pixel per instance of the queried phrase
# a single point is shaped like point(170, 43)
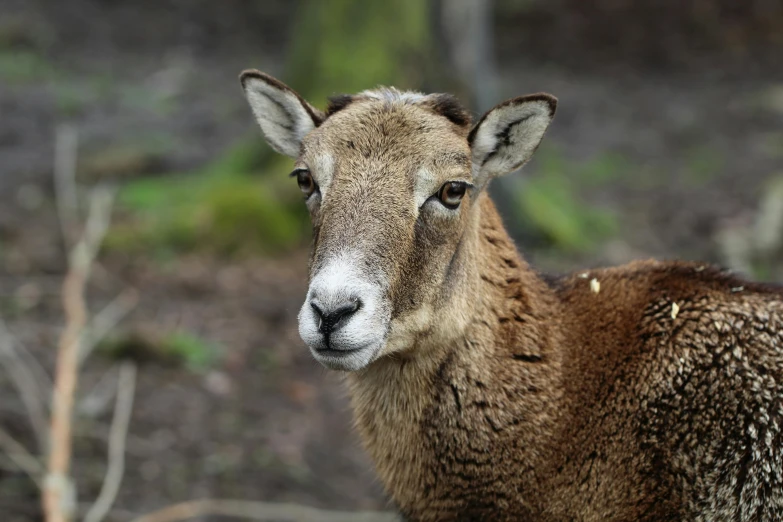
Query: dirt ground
point(700, 141)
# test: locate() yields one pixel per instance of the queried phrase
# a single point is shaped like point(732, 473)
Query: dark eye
point(451, 193)
point(306, 182)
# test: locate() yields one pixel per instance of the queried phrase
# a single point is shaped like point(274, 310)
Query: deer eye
point(306, 182)
point(451, 193)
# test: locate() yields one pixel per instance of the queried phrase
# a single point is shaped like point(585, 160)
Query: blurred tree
point(467, 37)
point(345, 46)
point(430, 45)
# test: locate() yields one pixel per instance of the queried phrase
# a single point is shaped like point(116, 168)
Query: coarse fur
point(485, 391)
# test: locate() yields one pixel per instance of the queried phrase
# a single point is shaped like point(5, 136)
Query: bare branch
point(98, 220)
point(105, 320)
point(21, 457)
point(58, 496)
point(769, 220)
point(27, 385)
point(65, 154)
point(260, 511)
point(98, 398)
point(42, 377)
point(115, 514)
point(117, 437)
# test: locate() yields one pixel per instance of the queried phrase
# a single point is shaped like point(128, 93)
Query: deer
point(482, 389)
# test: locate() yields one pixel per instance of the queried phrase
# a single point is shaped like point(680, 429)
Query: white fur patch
point(282, 117)
point(426, 186)
point(390, 94)
point(357, 342)
point(323, 172)
point(507, 137)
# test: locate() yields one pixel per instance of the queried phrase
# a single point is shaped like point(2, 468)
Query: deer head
point(391, 180)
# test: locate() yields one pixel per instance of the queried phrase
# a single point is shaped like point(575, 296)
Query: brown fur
point(655, 393)
point(563, 404)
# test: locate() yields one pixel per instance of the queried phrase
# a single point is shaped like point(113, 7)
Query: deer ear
point(284, 116)
point(505, 138)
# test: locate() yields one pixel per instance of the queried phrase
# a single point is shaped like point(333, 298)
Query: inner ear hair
point(550, 101)
point(316, 115)
point(506, 137)
point(285, 117)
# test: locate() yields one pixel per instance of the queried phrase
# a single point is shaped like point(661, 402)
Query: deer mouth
point(352, 359)
point(345, 316)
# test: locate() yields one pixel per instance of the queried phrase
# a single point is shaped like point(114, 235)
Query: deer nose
point(331, 318)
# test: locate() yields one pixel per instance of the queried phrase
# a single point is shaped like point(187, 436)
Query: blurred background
point(668, 142)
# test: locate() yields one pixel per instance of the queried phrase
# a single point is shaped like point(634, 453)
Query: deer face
point(391, 181)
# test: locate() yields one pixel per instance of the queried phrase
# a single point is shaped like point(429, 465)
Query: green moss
point(550, 203)
point(603, 169)
point(238, 215)
point(389, 39)
point(175, 349)
point(702, 165)
point(228, 207)
point(553, 208)
point(19, 67)
point(245, 157)
point(197, 354)
point(71, 100)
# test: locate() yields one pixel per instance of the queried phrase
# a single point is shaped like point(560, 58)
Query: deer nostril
point(317, 309)
point(329, 319)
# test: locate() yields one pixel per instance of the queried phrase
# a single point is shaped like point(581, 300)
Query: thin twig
point(42, 377)
point(7, 464)
point(117, 437)
point(98, 221)
point(105, 320)
point(65, 154)
point(260, 511)
point(27, 385)
point(58, 497)
point(98, 398)
point(769, 220)
point(21, 457)
point(115, 514)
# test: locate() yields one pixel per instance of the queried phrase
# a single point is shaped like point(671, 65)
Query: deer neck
point(503, 309)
